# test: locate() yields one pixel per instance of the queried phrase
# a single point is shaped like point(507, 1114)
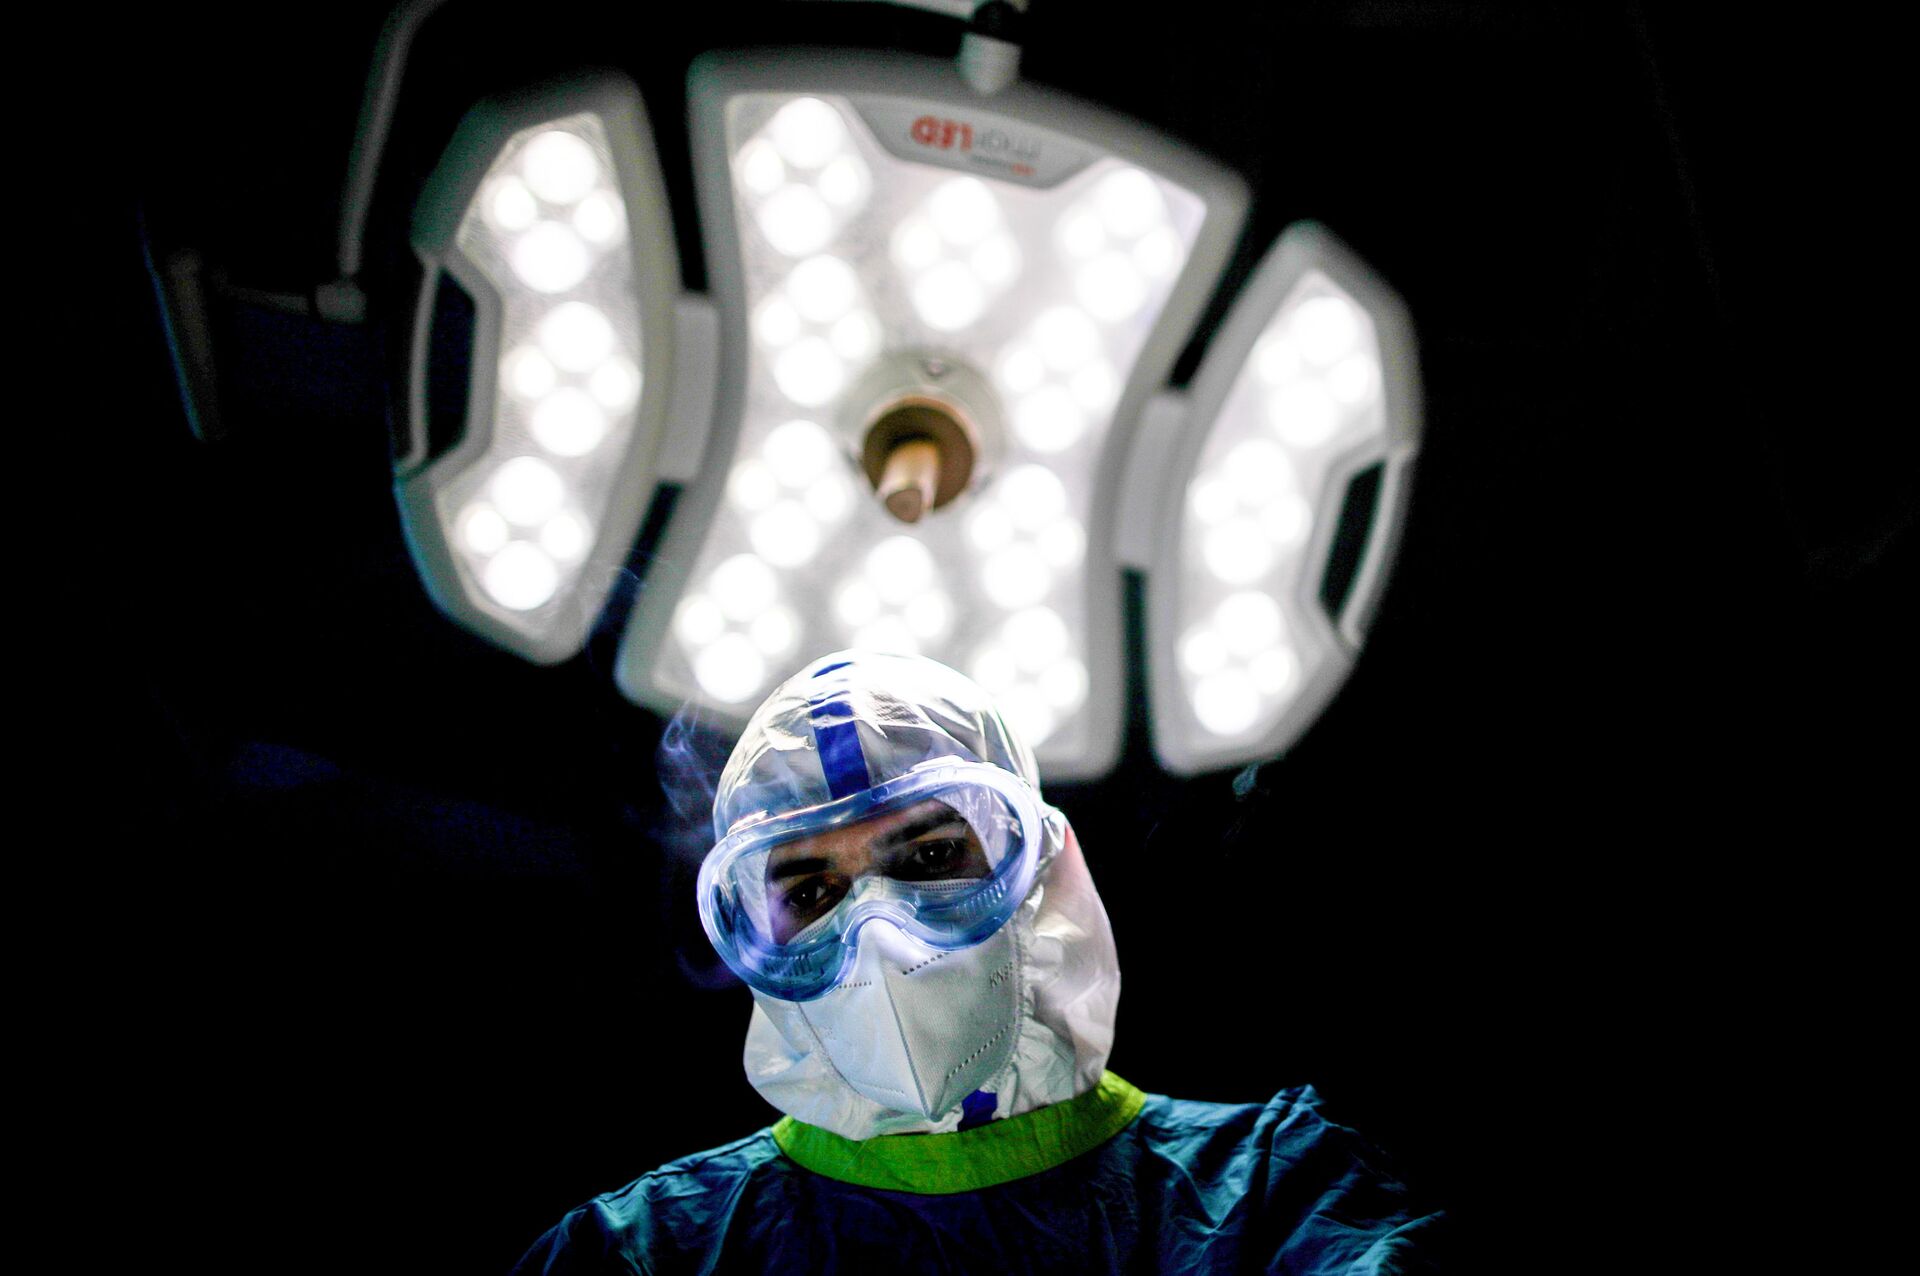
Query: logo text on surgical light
point(931, 130)
point(1010, 152)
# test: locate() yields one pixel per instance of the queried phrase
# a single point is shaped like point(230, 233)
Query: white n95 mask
point(917, 1030)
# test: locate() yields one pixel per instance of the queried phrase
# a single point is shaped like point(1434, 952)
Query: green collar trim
point(967, 1160)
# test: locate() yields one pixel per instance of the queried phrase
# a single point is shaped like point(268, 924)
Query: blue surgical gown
point(1184, 1187)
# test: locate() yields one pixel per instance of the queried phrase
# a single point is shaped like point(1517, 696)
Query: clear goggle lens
point(947, 862)
point(932, 853)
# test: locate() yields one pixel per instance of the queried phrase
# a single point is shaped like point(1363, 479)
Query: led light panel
point(1311, 381)
point(548, 211)
point(1035, 260)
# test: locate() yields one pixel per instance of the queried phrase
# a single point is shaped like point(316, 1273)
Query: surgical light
point(1303, 415)
point(924, 408)
point(951, 307)
point(548, 212)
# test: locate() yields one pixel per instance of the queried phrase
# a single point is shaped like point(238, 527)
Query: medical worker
point(934, 984)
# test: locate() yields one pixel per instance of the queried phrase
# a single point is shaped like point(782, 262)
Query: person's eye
point(942, 854)
point(810, 897)
point(935, 858)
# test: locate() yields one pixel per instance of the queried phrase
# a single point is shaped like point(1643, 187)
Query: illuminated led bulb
point(510, 205)
point(989, 528)
point(560, 167)
point(1276, 360)
point(520, 577)
point(1202, 652)
point(1128, 202)
point(566, 537)
point(786, 534)
point(1226, 703)
point(600, 218)
point(1095, 386)
point(1032, 495)
point(576, 336)
point(928, 615)
point(527, 491)
point(1158, 253)
point(1061, 543)
point(822, 288)
point(730, 669)
point(775, 631)
point(1248, 622)
point(898, 568)
point(752, 484)
point(743, 586)
point(776, 322)
point(796, 221)
point(807, 131)
point(616, 384)
point(1066, 337)
point(963, 211)
point(482, 529)
point(1274, 671)
point(1027, 712)
point(994, 669)
point(1050, 419)
point(1079, 232)
point(1286, 519)
point(1354, 380)
point(1020, 368)
point(569, 423)
point(699, 621)
point(1324, 328)
point(916, 244)
point(843, 183)
point(828, 498)
point(1110, 288)
point(1037, 637)
point(996, 261)
point(809, 372)
point(1257, 469)
point(855, 337)
point(949, 297)
point(759, 167)
point(549, 258)
point(1063, 684)
point(889, 634)
point(1238, 551)
point(1015, 577)
point(528, 373)
point(798, 451)
point(1303, 413)
point(856, 604)
point(1211, 500)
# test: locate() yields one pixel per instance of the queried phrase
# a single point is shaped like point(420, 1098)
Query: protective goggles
point(946, 852)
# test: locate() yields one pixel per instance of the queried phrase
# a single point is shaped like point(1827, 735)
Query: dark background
point(1571, 900)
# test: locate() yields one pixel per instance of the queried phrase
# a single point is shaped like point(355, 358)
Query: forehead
point(862, 833)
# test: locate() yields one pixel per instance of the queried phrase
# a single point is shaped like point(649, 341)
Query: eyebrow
point(795, 868)
point(917, 828)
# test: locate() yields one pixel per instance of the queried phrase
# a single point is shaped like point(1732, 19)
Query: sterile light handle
point(1384, 529)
